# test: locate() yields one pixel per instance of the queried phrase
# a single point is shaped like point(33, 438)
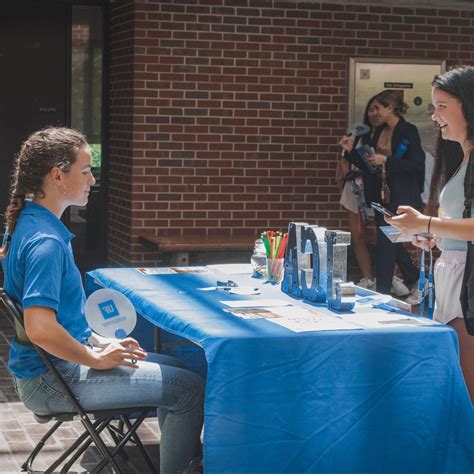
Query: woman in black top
point(393, 176)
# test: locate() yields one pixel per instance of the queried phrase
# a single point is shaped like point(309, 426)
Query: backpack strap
point(468, 187)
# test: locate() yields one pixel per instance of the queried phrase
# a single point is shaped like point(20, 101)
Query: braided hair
point(43, 150)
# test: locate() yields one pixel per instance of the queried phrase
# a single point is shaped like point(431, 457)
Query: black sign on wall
point(398, 85)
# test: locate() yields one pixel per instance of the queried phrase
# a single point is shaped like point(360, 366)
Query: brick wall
point(225, 114)
point(123, 157)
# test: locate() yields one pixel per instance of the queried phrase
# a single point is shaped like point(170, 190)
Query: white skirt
point(349, 201)
point(448, 274)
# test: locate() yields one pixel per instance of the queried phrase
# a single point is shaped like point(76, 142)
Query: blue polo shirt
point(39, 270)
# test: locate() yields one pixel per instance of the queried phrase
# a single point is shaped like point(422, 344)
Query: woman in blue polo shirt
point(53, 171)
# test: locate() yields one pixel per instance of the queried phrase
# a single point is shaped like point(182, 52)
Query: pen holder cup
point(275, 270)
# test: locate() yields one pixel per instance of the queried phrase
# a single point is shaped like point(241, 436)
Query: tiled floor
point(19, 431)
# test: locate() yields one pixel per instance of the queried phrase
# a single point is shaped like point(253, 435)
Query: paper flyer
point(296, 318)
point(372, 318)
point(172, 270)
point(232, 268)
point(258, 303)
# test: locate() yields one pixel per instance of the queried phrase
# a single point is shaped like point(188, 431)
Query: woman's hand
point(425, 244)
point(119, 352)
point(346, 143)
point(409, 220)
point(376, 159)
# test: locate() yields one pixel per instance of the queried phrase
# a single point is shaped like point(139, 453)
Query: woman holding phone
point(453, 102)
point(393, 175)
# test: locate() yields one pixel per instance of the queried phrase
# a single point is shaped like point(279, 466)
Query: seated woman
point(53, 171)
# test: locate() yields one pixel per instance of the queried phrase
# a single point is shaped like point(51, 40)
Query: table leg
point(156, 340)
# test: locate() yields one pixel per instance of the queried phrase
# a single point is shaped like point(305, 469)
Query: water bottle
point(402, 148)
point(259, 259)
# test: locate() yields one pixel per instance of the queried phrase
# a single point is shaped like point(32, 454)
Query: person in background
point(351, 176)
point(453, 102)
point(53, 172)
point(372, 117)
point(394, 175)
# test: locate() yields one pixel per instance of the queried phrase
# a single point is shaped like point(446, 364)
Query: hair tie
point(7, 236)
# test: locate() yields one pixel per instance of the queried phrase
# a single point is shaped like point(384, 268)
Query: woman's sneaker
point(367, 283)
point(415, 297)
point(398, 287)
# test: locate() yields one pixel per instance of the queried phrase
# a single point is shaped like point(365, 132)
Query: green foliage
point(96, 151)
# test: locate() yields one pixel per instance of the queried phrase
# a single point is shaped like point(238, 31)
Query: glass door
point(88, 223)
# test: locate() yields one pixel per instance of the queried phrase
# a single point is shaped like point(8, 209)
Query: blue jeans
point(159, 381)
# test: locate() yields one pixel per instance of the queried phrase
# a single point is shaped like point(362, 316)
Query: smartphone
point(383, 210)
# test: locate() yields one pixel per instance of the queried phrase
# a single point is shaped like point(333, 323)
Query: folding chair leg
point(86, 441)
point(139, 444)
point(108, 458)
point(28, 463)
point(125, 439)
point(67, 466)
point(117, 440)
point(67, 453)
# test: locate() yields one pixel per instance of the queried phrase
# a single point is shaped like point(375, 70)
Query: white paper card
point(232, 268)
point(315, 323)
point(258, 303)
point(372, 318)
point(172, 270)
point(155, 271)
point(244, 290)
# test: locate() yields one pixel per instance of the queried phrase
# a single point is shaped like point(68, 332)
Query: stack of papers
point(309, 318)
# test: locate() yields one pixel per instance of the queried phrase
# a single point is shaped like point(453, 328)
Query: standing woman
point(453, 101)
point(357, 226)
point(53, 172)
point(399, 180)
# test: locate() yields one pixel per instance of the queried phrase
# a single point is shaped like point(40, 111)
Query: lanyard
point(421, 286)
point(431, 290)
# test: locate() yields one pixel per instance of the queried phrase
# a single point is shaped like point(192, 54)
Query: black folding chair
point(94, 422)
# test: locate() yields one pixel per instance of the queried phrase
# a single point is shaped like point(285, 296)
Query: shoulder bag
point(467, 288)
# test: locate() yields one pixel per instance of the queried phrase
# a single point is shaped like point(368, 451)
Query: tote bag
point(467, 289)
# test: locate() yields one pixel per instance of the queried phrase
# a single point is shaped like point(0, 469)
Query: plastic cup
point(275, 270)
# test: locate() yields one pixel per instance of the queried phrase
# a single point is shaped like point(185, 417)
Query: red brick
point(223, 107)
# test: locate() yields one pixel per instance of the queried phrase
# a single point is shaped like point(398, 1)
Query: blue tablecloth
point(391, 400)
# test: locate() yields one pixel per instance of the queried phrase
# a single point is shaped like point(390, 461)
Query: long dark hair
point(42, 151)
point(458, 83)
point(365, 139)
point(448, 157)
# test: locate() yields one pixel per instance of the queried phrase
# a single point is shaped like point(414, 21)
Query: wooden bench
point(180, 245)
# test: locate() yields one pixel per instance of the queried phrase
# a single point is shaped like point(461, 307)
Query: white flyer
point(258, 303)
point(296, 318)
point(155, 271)
point(372, 318)
point(172, 270)
point(304, 322)
point(232, 268)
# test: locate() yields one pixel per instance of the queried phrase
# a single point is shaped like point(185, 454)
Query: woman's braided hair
point(43, 150)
